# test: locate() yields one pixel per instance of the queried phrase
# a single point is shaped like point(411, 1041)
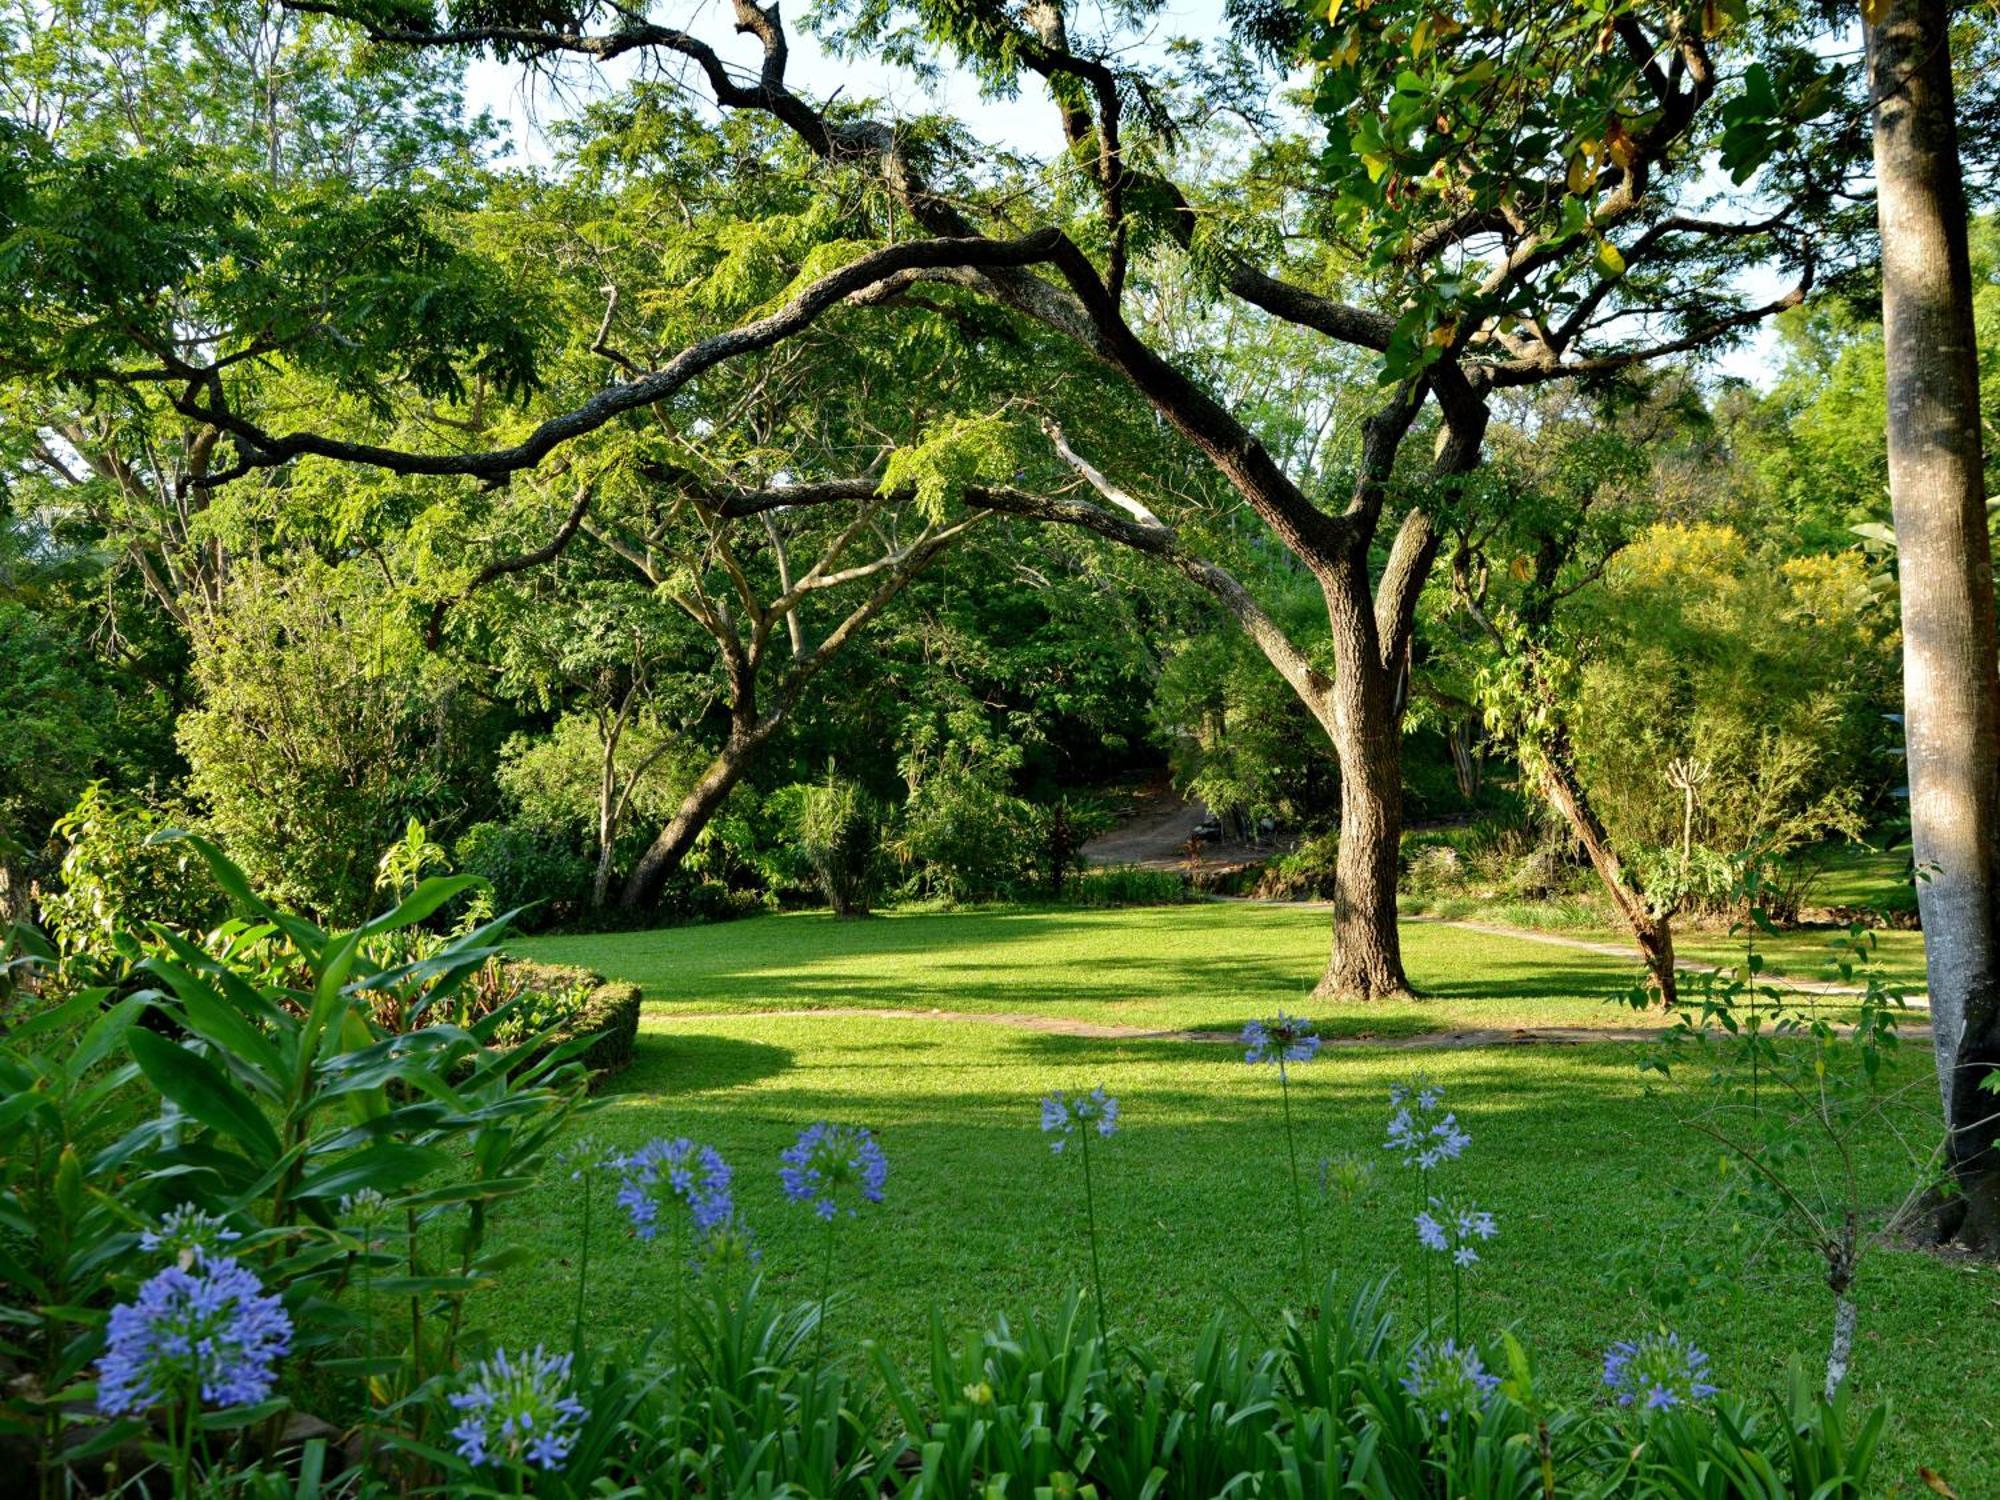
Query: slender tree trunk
point(1653, 932)
point(1951, 687)
point(663, 857)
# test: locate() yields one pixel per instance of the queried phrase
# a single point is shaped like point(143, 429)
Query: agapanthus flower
point(1452, 1227)
point(1658, 1371)
point(188, 1235)
point(209, 1328)
point(1282, 1039)
point(518, 1409)
point(830, 1165)
point(674, 1175)
point(1447, 1379)
point(1424, 1141)
point(730, 1246)
point(1063, 1114)
point(586, 1154)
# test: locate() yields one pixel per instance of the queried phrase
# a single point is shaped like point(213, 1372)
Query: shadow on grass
point(680, 1063)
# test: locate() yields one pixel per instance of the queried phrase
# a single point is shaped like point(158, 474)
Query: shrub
point(117, 879)
point(840, 829)
point(591, 1005)
point(1129, 885)
point(1303, 874)
point(532, 872)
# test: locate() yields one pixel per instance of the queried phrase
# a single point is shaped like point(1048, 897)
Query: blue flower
point(675, 1175)
point(1063, 1113)
point(1450, 1228)
point(211, 1328)
point(188, 1235)
point(1424, 1142)
point(516, 1410)
point(1660, 1371)
point(828, 1163)
point(1447, 1379)
point(1280, 1040)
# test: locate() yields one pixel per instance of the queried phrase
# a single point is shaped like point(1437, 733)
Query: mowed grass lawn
point(1202, 966)
point(1568, 1151)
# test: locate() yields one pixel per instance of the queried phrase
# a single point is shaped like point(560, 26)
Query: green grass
point(980, 1218)
point(1210, 965)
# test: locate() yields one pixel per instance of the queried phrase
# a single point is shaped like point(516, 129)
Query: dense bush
point(839, 829)
point(604, 1010)
point(1129, 885)
point(117, 880)
point(532, 872)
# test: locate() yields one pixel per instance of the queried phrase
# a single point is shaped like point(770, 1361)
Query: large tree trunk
point(1951, 687)
point(1367, 958)
point(663, 857)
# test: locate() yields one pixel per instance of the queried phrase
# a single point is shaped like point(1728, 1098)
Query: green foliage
point(530, 872)
point(119, 879)
point(269, 1102)
point(1771, 672)
point(323, 728)
point(963, 835)
point(840, 830)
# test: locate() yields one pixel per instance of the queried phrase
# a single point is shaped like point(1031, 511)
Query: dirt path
point(1559, 1036)
point(1155, 837)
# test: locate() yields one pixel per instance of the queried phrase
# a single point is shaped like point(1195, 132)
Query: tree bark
point(1951, 684)
point(664, 855)
point(1653, 931)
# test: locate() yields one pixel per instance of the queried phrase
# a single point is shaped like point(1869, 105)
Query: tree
point(1951, 683)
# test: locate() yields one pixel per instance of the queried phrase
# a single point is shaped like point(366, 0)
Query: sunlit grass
point(1192, 1201)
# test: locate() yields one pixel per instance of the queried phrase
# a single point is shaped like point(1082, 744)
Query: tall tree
point(1951, 682)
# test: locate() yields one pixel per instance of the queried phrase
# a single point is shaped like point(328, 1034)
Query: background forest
point(305, 661)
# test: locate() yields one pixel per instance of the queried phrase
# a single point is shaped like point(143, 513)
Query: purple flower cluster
point(1425, 1137)
point(518, 1410)
point(1282, 1039)
point(1448, 1379)
point(209, 1327)
point(187, 1235)
point(1063, 1114)
point(674, 1175)
point(1451, 1227)
point(829, 1165)
point(1658, 1371)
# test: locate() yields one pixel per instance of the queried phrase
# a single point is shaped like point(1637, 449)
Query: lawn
point(1210, 965)
point(1568, 1151)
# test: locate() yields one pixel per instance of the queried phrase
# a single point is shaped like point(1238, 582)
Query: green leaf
point(387, 1168)
point(203, 1091)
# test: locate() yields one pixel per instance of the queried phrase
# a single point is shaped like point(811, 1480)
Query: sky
point(1027, 124)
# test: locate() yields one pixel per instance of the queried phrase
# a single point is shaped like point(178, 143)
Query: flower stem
point(1090, 1214)
point(825, 1293)
point(184, 1479)
point(1298, 1205)
point(1457, 1304)
point(582, 1273)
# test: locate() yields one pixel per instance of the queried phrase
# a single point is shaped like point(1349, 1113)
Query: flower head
point(1280, 1040)
point(1658, 1371)
point(673, 1175)
point(1063, 1114)
point(189, 1235)
point(730, 1246)
point(517, 1409)
point(1447, 1379)
point(209, 1328)
point(1425, 1138)
point(584, 1155)
point(1453, 1227)
point(828, 1164)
